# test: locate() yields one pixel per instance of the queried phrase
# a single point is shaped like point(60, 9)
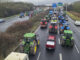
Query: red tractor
point(51, 43)
point(53, 28)
point(43, 23)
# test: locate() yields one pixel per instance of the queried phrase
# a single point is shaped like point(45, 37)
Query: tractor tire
point(72, 44)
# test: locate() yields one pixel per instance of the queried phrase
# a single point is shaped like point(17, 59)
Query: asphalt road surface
point(10, 21)
point(60, 53)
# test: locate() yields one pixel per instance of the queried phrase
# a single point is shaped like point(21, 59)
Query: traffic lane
point(6, 24)
point(47, 55)
point(76, 33)
point(42, 54)
point(74, 26)
point(68, 53)
point(40, 32)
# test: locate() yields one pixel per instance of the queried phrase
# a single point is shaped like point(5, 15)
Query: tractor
point(30, 43)
point(67, 39)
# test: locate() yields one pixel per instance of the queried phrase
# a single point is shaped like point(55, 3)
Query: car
point(77, 23)
point(2, 20)
point(43, 23)
point(51, 43)
point(21, 15)
point(53, 27)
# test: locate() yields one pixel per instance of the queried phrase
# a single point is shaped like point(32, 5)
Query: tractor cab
point(29, 37)
point(68, 34)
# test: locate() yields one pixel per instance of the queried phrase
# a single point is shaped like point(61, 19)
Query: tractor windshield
point(53, 24)
point(29, 39)
point(68, 35)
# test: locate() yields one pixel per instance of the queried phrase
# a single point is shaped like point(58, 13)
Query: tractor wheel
point(72, 44)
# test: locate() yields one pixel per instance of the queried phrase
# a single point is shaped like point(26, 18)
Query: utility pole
point(66, 5)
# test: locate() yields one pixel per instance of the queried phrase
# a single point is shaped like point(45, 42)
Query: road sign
point(51, 12)
point(54, 5)
point(60, 4)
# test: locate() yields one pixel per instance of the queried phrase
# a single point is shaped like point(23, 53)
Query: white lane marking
point(37, 29)
point(39, 55)
point(59, 40)
point(77, 49)
point(60, 56)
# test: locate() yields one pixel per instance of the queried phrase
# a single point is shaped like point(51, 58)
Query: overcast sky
point(46, 1)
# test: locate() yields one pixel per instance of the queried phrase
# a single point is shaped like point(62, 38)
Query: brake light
point(41, 23)
point(45, 22)
point(50, 26)
point(56, 27)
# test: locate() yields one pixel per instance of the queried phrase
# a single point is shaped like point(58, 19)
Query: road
point(10, 21)
point(60, 53)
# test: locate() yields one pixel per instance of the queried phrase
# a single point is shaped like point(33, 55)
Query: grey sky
point(43, 1)
point(46, 1)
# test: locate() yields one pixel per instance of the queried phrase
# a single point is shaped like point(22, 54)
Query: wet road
point(10, 21)
point(60, 53)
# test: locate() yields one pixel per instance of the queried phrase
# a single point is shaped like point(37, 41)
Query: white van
point(17, 56)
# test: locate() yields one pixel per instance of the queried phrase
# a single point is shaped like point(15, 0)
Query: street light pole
point(66, 5)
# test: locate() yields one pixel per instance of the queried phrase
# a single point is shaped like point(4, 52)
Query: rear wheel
point(72, 43)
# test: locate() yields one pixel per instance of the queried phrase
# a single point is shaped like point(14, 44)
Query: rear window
point(53, 24)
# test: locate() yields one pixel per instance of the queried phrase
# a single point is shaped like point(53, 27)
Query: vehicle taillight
point(45, 22)
point(50, 26)
point(56, 27)
point(41, 23)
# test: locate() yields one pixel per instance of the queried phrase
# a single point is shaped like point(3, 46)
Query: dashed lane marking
point(60, 56)
point(59, 40)
point(77, 49)
point(39, 55)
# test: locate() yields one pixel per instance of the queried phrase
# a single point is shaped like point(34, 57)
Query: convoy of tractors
point(55, 22)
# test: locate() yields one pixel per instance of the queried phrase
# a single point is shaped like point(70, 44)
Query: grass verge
point(73, 16)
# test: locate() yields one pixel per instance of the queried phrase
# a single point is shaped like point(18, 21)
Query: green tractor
point(30, 43)
point(67, 39)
